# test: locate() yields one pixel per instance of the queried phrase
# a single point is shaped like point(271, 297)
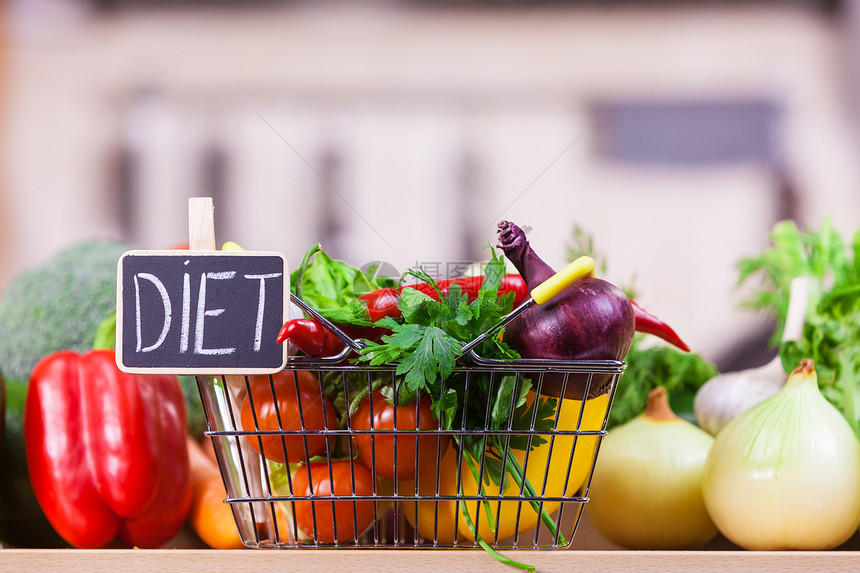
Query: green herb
point(831, 333)
point(820, 254)
point(680, 373)
point(426, 343)
point(428, 338)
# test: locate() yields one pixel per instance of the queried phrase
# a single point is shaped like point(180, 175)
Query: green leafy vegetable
point(428, 339)
point(680, 373)
point(831, 333)
point(328, 284)
point(820, 254)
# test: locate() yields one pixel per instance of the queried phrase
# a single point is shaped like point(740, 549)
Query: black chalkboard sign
point(201, 312)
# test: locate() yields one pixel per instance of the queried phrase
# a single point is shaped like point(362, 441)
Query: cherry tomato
point(385, 452)
point(333, 521)
point(276, 407)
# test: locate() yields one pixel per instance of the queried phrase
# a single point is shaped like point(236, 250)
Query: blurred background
point(674, 133)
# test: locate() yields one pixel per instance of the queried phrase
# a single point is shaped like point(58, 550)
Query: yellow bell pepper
point(556, 453)
point(439, 519)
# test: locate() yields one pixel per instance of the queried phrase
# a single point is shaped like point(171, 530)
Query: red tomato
point(384, 452)
point(350, 518)
point(276, 405)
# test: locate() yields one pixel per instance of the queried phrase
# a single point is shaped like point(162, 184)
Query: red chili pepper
point(106, 450)
point(315, 340)
point(647, 323)
point(311, 337)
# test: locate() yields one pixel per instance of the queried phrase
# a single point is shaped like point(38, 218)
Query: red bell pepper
point(106, 450)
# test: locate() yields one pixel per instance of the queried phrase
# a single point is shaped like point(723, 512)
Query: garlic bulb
point(786, 473)
point(729, 394)
point(646, 492)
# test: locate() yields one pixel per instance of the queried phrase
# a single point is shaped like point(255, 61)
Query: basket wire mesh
point(545, 445)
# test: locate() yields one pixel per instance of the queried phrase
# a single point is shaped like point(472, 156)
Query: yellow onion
point(646, 490)
point(786, 473)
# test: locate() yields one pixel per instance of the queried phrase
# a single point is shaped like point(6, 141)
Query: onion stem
point(491, 523)
point(523, 483)
point(486, 546)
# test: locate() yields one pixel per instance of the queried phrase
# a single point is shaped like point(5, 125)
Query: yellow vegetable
point(432, 519)
point(785, 474)
point(564, 478)
point(646, 492)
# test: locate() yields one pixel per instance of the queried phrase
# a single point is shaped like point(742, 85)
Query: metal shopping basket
point(443, 506)
point(328, 453)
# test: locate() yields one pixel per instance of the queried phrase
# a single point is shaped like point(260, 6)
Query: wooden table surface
point(590, 552)
point(417, 560)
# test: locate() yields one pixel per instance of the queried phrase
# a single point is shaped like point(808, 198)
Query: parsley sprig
point(428, 338)
point(426, 343)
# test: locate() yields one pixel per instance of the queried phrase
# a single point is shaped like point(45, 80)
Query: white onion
point(786, 473)
point(646, 492)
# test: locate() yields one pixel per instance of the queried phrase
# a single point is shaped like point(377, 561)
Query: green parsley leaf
point(432, 355)
point(418, 308)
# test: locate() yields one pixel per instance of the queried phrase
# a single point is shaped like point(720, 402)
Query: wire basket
point(299, 471)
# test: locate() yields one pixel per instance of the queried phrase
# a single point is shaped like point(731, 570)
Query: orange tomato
point(290, 401)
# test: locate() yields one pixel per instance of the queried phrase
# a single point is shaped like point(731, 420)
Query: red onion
point(592, 319)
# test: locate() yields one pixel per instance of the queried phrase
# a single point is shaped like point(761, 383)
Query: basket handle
point(545, 291)
point(344, 337)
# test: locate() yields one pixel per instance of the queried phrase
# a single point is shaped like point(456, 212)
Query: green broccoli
point(58, 305)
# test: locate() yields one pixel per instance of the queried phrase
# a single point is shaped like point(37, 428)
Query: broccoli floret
point(58, 305)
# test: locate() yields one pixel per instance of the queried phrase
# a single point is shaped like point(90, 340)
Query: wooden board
point(419, 560)
point(590, 552)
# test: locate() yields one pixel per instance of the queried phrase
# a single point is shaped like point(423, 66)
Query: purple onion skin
point(592, 319)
